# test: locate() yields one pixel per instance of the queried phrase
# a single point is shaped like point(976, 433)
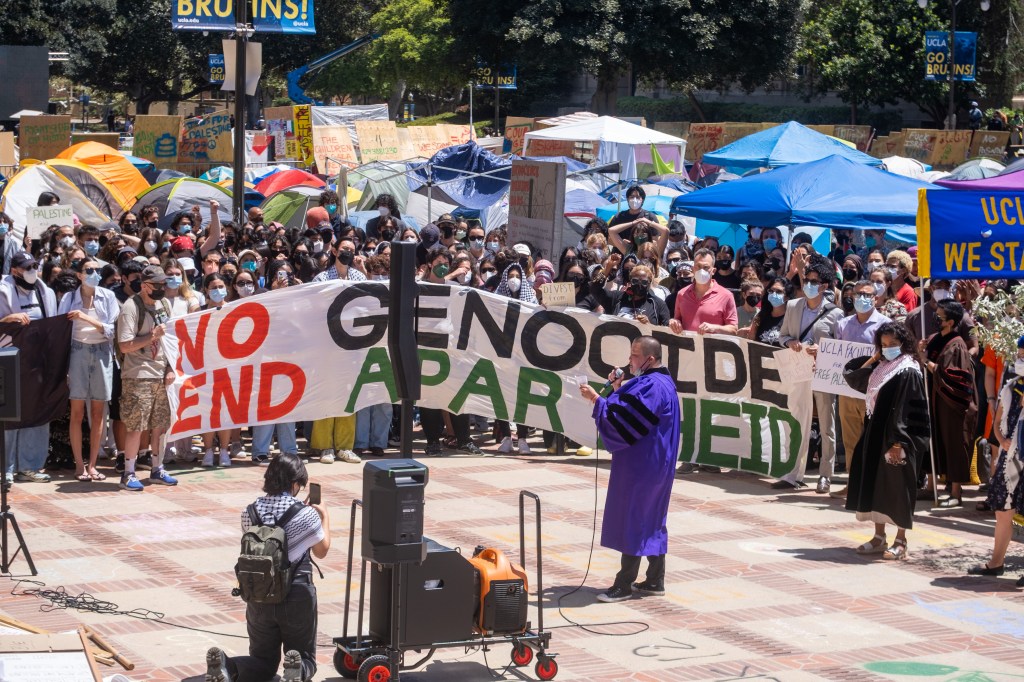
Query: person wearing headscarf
point(514, 285)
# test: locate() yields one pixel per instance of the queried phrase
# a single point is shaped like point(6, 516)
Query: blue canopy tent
point(833, 192)
point(783, 145)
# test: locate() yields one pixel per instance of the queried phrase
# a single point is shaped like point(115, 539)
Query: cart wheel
point(521, 655)
point(345, 664)
point(546, 668)
point(376, 669)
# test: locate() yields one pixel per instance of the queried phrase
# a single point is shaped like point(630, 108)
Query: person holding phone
point(291, 625)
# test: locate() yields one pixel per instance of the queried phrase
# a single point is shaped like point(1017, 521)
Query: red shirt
point(717, 306)
point(907, 297)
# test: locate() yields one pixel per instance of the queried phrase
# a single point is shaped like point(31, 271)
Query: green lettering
point(780, 468)
point(757, 462)
point(687, 428)
point(708, 409)
point(549, 401)
point(444, 366)
point(482, 380)
point(376, 369)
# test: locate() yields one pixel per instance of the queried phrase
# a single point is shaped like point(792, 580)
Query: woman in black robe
point(888, 457)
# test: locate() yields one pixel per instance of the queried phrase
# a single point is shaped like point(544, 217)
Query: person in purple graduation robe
point(639, 424)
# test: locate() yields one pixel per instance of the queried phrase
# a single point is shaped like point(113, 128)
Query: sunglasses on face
point(34, 266)
point(90, 271)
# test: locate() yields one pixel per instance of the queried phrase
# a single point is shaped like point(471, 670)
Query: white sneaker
point(225, 458)
point(208, 459)
point(506, 444)
point(524, 447)
point(237, 451)
point(349, 456)
point(327, 456)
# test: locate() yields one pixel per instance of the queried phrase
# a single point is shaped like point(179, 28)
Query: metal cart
point(366, 659)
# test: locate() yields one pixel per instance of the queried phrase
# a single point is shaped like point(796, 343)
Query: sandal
point(84, 477)
point(951, 503)
point(97, 476)
point(870, 547)
point(898, 551)
point(983, 506)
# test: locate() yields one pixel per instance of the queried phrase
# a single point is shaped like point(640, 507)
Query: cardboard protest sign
point(40, 218)
point(744, 405)
point(279, 127)
point(7, 149)
point(919, 144)
point(334, 143)
point(703, 138)
point(829, 130)
point(558, 294)
point(456, 134)
point(951, 147)
point(303, 129)
point(859, 135)
point(830, 361)
point(109, 139)
point(736, 131)
point(156, 139)
point(536, 204)
point(424, 142)
point(206, 140)
point(990, 144)
point(516, 128)
point(674, 128)
point(551, 148)
point(378, 140)
point(405, 148)
point(43, 137)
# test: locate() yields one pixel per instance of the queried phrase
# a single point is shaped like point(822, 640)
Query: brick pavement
point(761, 586)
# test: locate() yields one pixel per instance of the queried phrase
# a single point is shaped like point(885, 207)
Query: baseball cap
point(446, 219)
point(522, 249)
point(187, 263)
point(183, 243)
point(153, 274)
point(23, 260)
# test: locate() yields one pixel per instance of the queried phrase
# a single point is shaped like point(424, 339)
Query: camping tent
point(783, 145)
point(1011, 182)
point(467, 173)
point(286, 179)
point(833, 192)
point(617, 141)
point(89, 183)
point(181, 194)
point(23, 189)
point(289, 206)
point(124, 179)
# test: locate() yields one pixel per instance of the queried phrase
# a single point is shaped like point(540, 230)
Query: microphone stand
point(7, 516)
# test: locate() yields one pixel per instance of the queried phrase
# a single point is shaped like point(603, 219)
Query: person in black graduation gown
point(888, 457)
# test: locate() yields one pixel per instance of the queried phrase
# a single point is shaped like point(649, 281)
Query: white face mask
point(513, 285)
point(600, 253)
point(410, 240)
point(245, 290)
point(67, 242)
point(464, 279)
point(384, 211)
point(701, 276)
point(635, 203)
point(879, 288)
point(30, 276)
point(318, 247)
point(940, 295)
point(150, 246)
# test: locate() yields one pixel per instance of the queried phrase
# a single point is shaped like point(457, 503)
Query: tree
point(26, 22)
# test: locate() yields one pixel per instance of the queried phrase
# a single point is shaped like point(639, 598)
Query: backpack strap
point(253, 516)
point(289, 514)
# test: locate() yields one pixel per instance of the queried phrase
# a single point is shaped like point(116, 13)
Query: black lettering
point(432, 339)
point(759, 374)
point(712, 382)
point(675, 343)
point(503, 338)
point(378, 323)
point(553, 363)
point(601, 332)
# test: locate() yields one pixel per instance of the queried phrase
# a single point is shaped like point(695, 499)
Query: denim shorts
point(90, 372)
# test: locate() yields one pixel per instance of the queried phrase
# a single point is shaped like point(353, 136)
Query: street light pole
point(951, 114)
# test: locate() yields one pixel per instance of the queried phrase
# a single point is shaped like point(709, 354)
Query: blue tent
point(784, 145)
point(833, 192)
point(455, 170)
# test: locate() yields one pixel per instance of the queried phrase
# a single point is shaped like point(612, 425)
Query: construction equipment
point(297, 91)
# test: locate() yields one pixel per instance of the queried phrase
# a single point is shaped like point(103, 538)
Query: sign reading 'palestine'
point(743, 404)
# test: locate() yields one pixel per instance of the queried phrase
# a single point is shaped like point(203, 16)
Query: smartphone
point(314, 493)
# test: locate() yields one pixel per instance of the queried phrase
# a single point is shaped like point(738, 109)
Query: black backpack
point(263, 570)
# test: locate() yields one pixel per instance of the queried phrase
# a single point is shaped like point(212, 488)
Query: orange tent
point(111, 166)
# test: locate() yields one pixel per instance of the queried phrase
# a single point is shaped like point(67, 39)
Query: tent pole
point(928, 401)
point(430, 191)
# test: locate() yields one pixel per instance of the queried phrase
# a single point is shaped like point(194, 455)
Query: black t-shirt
point(627, 217)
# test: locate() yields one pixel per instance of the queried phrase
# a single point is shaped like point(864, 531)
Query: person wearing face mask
point(886, 303)
point(495, 240)
point(477, 242)
point(883, 476)
point(24, 298)
point(861, 327)
point(385, 205)
point(331, 202)
point(853, 268)
point(766, 324)
point(634, 217)
point(244, 286)
point(771, 239)
point(94, 312)
point(9, 243)
point(641, 231)
point(954, 408)
point(808, 320)
point(752, 248)
point(145, 374)
point(941, 290)
point(899, 264)
point(725, 270)
point(873, 240)
point(751, 293)
point(634, 300)
point(514, 285)
point(704, 307)
point(875, 260)
point(343, 264)
point(682, 277)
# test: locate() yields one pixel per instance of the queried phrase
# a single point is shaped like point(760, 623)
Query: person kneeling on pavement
point(289, 625)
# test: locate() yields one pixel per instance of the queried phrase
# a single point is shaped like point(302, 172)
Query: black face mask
point(23, 284)
point(578, 280)
point(723, 264)
point(850, 275)
point(157, 293)
point(683, 282)
point(387, 235)
point(135, 285)
point(753, 299)
point(345, 257)
point(847, 304)
point(639, 287)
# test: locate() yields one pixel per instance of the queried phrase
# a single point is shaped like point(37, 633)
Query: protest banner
point(405, 148)
point(919, 144)
point(859, 135)
point(378, 140)
point(704, 137)
point(744, 405)
point(43, 137)
point(561, 294)
point(951, 147)
point(266, 16)
point(516, 128)
point(540, 147)
point(970, 234)
point(279, 128)
point(829, 363)
point(424, 142)
point(456, 134)
point(333, 142)
point(303, 128)
point(41, 217)
point(7, 150)
point(990, 144)
point(536, 204)
point(206, 140)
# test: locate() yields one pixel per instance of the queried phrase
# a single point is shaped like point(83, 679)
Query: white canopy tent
point(617, 140)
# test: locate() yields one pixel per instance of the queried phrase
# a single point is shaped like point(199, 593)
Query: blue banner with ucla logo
point(970, 234)
point(266, 16)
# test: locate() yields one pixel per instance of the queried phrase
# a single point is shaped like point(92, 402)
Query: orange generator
point(503, 593)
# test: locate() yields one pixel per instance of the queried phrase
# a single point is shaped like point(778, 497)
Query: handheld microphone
point(607, 384)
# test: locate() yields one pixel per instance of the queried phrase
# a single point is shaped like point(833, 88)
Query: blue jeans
point(263, 434)
point(372, 426)
point(27, 448)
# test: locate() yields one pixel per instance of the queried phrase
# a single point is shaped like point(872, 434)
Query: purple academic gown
point(639, 424)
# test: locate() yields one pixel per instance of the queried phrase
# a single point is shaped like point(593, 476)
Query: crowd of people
point(120, 283)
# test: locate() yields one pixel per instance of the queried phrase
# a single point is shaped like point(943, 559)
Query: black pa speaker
point(10, 385)
point(402, 321)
